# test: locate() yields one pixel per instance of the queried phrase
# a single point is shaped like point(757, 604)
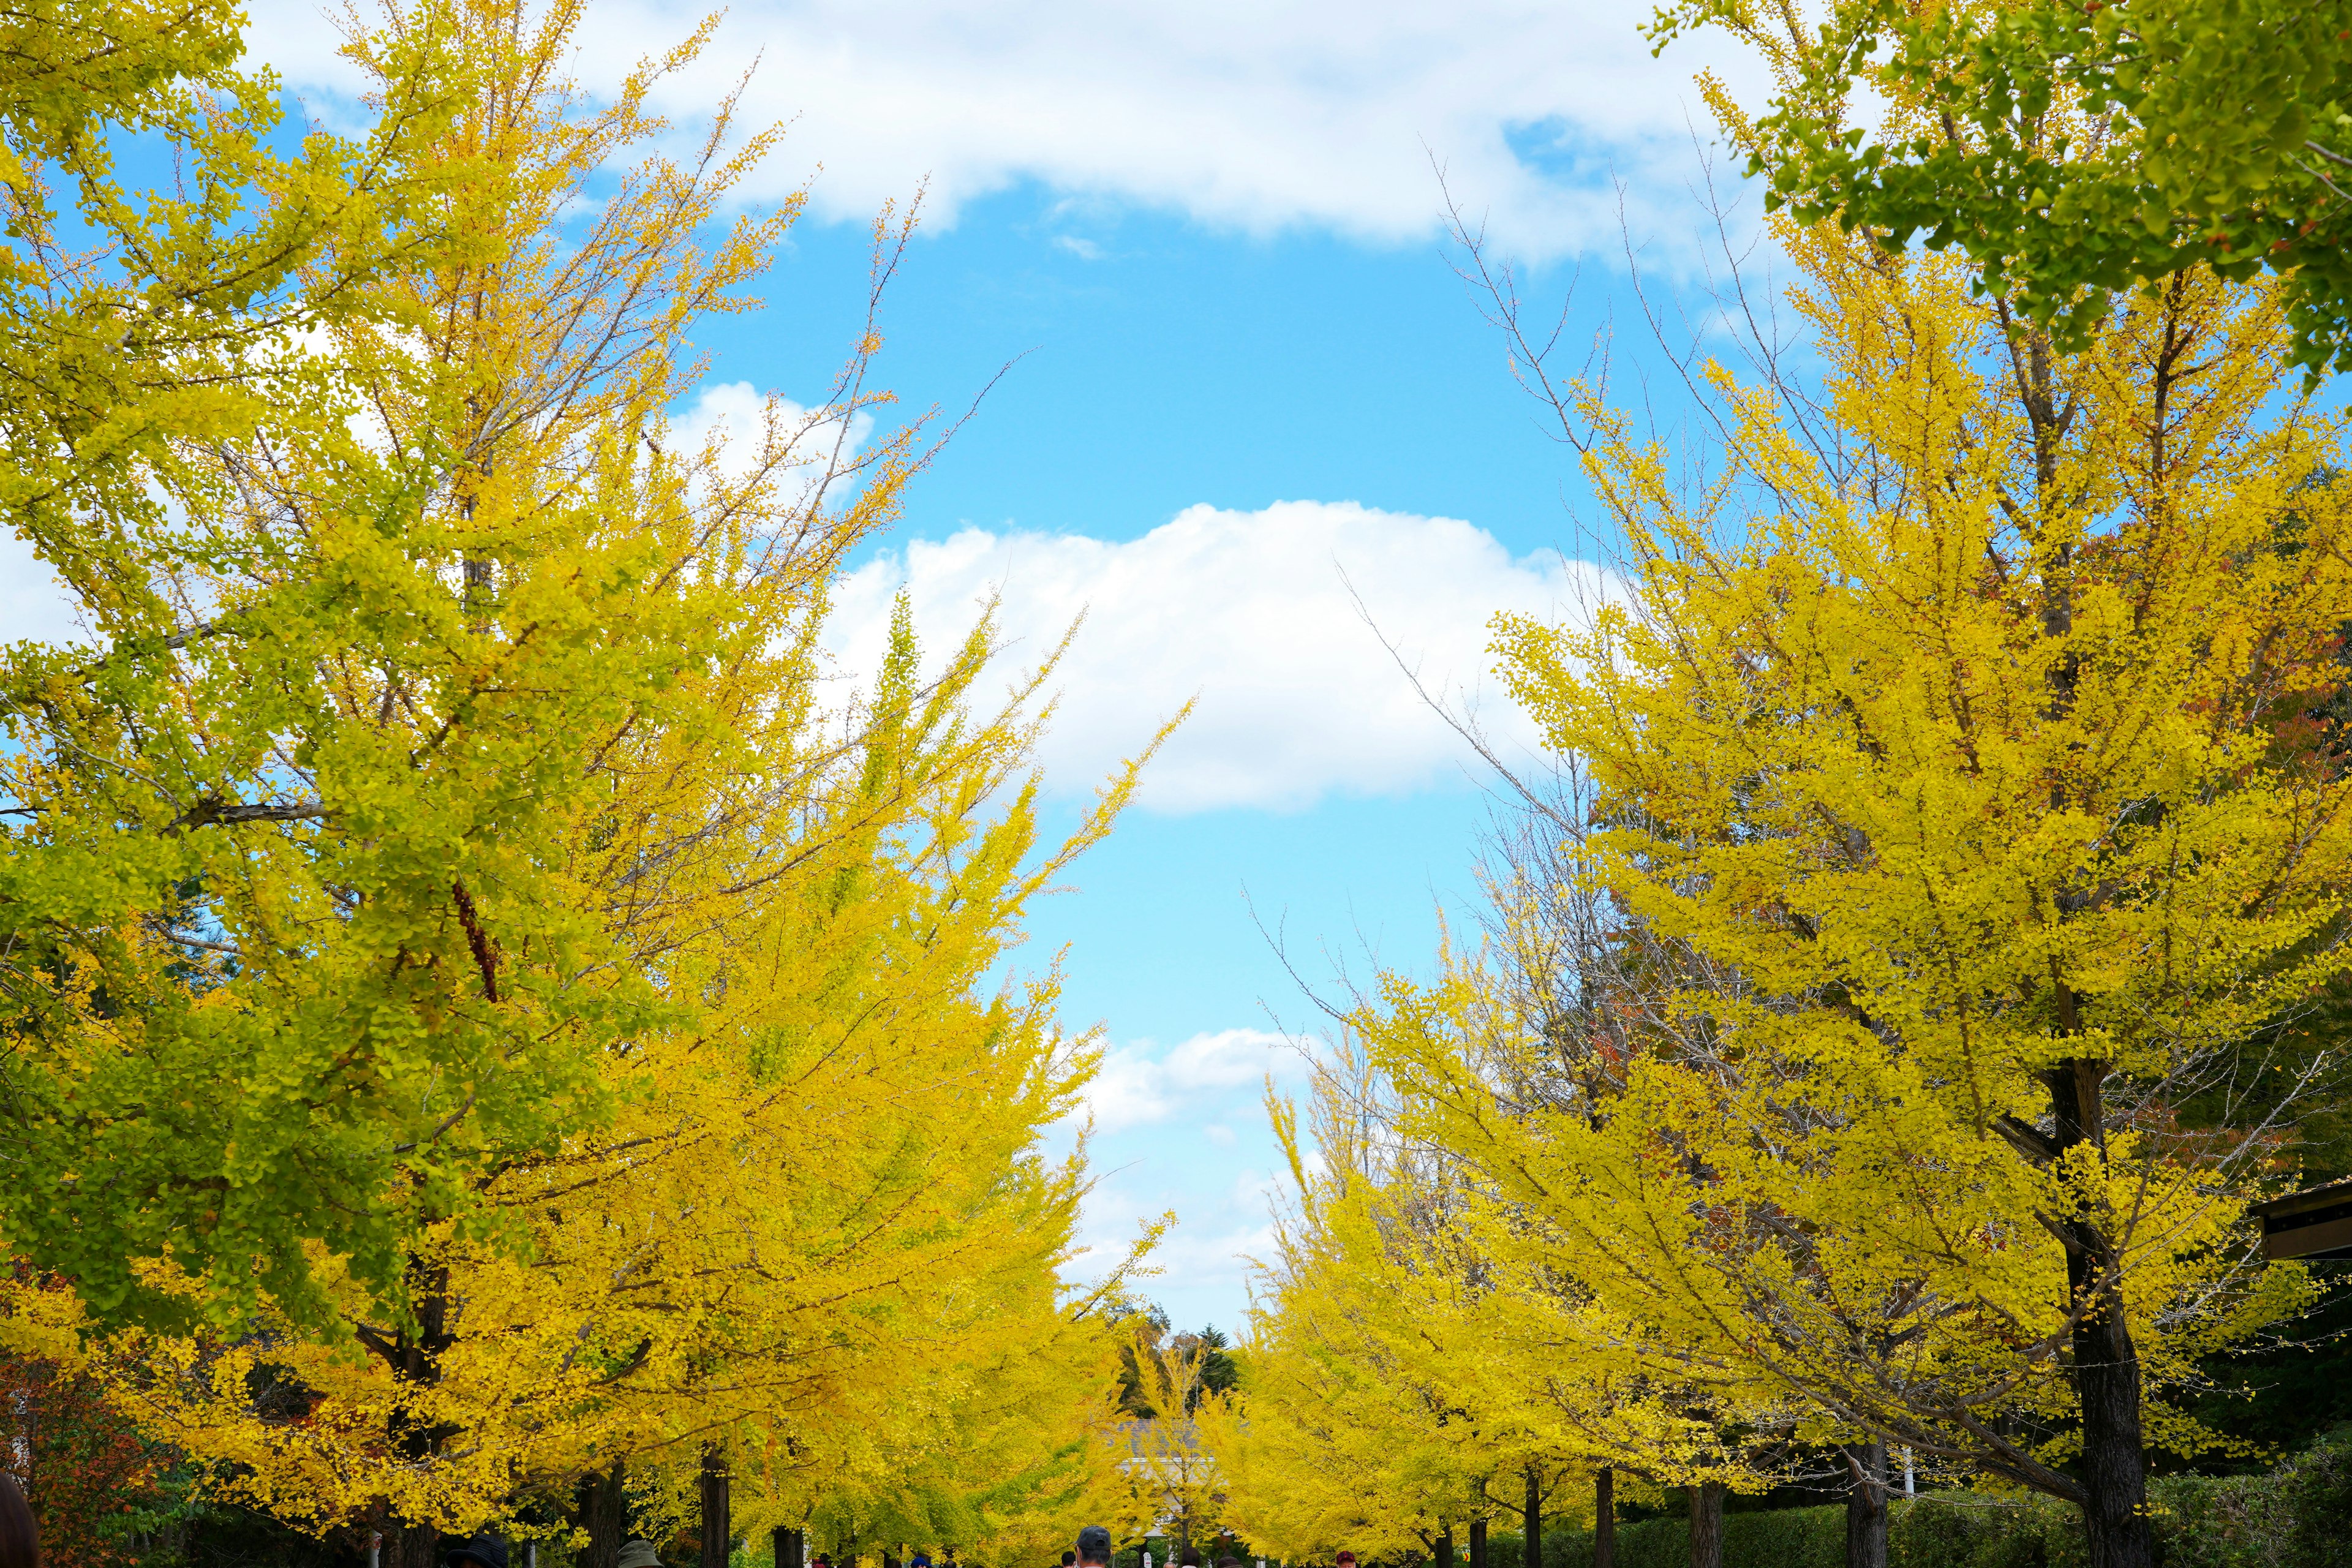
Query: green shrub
point(1783, 1538)
point(2300, 1516)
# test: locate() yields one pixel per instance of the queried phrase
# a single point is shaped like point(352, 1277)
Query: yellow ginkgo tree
point(1413, 1374)
point(1967, 806)
point(490, 1009)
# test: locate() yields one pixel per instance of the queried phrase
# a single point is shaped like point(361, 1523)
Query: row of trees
point(1925, 947)
point(493, 1025)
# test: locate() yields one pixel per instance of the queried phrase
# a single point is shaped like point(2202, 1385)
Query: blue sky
point(1254, 409)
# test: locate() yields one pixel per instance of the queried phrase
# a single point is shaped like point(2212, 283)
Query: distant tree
point(1143, 1328)
point(1218, 1373)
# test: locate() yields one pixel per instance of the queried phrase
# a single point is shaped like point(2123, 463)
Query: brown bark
point(1604, 1518)
point(1865, 1506)
point(718, 1530)
point(2106, 1363)
point(411, 1546)
point(788, 1548)
point(1477, 1544)
point(604, 1515)
point(1444, 1556)
point(1706, 1525)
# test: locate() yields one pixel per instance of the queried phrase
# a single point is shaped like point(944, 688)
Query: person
point(1068, 1558)
point(1094, 1547)
point(20, 1537)
point(1347, 1560)
point(486, 1548)
point(637, 1553)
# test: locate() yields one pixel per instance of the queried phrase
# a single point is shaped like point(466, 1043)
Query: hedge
point(2299, 1516)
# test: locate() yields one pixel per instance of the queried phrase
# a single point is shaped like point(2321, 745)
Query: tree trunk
point(415, 1361)
point(1531, 1525)
point(1445, 1547)
point(788, 1548)
point(1865, 1506)
point(1706, 1525)
point(2106, 1363)
point(2115, 1467)
point(718, 1532)
point(1477, 1544)
point(411, 1546)
point(1604, 1518)
point(604, 1515)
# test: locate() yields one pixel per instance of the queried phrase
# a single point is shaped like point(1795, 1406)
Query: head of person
point(20, 1538)
point(1192, 1557)
point(1346, 1560)
point(1094, 1547)
point(1068, 1558)
point(637, 1553)
point(483, 1549)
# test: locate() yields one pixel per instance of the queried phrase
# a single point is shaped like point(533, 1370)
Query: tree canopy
point(2070, 150)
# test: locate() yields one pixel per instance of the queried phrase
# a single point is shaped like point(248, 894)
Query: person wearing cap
point(637, 1553)
point(1094, 1547)
point(1347, 1560)
point(484, 1549)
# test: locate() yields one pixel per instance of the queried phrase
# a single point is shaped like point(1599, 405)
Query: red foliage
point(85, 1470)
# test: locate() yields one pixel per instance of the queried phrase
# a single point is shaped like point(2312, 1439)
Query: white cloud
point(1253, 613)
point(1183, 1128)
point(1140, 1085)
point(808, 445)
point(1202, 1261)
point(1235, 112)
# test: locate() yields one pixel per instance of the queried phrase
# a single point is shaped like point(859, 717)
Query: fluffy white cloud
point(1232, 110)
point(1274, 620)
point(1139, 1084)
